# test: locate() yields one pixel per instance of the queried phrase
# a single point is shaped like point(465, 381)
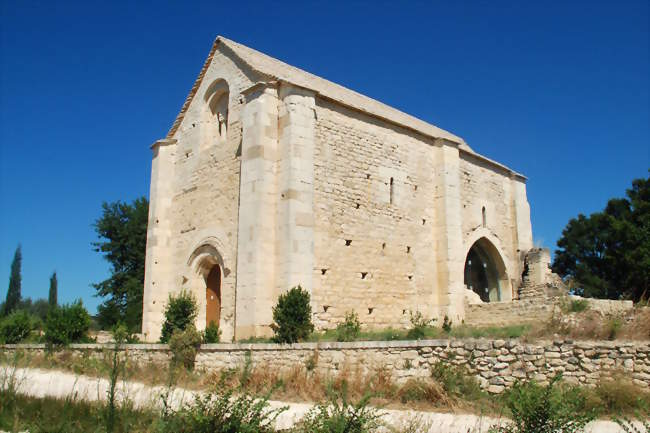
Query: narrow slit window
point(392, 190)
point(483, 216)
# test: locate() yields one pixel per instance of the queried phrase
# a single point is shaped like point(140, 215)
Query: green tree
point(292, 316)
point(607, 254)
point(122, 230)
point(54, 287)
point(13, 293)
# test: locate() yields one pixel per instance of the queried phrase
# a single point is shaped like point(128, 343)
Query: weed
point(545, 409)
point(340, 415)
point(349, 329)
point(419, 325)
point(578, 305)
point(446, 324)
point(312, 361)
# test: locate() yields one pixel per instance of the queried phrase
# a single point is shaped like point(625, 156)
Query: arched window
point(214, 123)
point(483, 216)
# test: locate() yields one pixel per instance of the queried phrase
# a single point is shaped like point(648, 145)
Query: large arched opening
point(485, 271)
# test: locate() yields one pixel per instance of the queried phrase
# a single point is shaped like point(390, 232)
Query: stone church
point(271, 177)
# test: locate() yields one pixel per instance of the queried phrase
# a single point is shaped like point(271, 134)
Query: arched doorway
point(213, 296)
point(485, 271)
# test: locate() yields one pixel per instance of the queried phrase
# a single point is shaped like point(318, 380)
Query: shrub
point(545, 409)
point(613, 327)
point(292, 317)
point(180, 312)
point(212, 333)
point(67, 324)
point(420, 390)
point(446, 324)
point(349, 329)
point(455, 381)
point(578, 305)
point(222, 411)
point(419, 326)
point(341, 416)
point(184, 345)
point(16, 327)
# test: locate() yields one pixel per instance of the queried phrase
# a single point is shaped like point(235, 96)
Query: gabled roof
point(273, 69)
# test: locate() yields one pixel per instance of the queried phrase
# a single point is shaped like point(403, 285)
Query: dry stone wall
point(496, 364)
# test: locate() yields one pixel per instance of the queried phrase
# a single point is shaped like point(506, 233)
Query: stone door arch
point(485, 271)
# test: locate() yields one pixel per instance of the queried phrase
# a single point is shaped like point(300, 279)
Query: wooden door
point(213, 296)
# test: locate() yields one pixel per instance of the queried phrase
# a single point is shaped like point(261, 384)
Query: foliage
point(349, 329)
point(67, 324)
point(578, 305)
point(184, 345)
point(122, 230)
point(545, 409)
point(13, 293)
point(419, 325)
point(212, 333)
point(37, 308)
point(52, 298)
point(455, 381)
point(120, 334)
point(292, 316)
point(420, 390)
point(614, 325)
point(222, 411)
point(16, 327)
point(180, 312)
point(446, 324)
point(607, 254)
point(340, 415)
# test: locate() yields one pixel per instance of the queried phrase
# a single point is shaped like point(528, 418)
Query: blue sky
point(556, 90)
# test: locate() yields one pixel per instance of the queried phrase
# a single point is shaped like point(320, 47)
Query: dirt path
point(52, 383)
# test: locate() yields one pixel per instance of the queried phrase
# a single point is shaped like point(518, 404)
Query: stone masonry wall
point(374, 245)
point(496, 364)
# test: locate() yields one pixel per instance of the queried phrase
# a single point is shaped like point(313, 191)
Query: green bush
point(292, 317)
point(67, 324)
point(180, 311)
point(419, 325)
point(348, 330)
point(578, 305)
point(16, 327)
point(212, 333)
point(339, 415)
point(222, 411)
point(184, 346)
point(545, 409)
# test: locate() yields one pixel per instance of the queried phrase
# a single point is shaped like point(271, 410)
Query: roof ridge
point(270, 66)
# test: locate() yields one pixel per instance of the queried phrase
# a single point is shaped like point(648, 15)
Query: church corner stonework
point(271, 177)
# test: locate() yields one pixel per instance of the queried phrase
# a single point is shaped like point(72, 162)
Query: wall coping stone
point(355, 345)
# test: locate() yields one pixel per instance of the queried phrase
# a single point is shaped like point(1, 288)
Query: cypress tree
point(53, 295)
point(13, 294)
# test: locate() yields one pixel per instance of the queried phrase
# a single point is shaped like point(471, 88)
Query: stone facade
point(275, 177)
point(496, 364)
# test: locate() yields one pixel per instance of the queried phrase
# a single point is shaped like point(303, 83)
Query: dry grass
point(592, 325)
point(447, 389)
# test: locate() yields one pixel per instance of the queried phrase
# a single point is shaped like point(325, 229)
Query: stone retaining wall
point(496, 364)
point(515, 312)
